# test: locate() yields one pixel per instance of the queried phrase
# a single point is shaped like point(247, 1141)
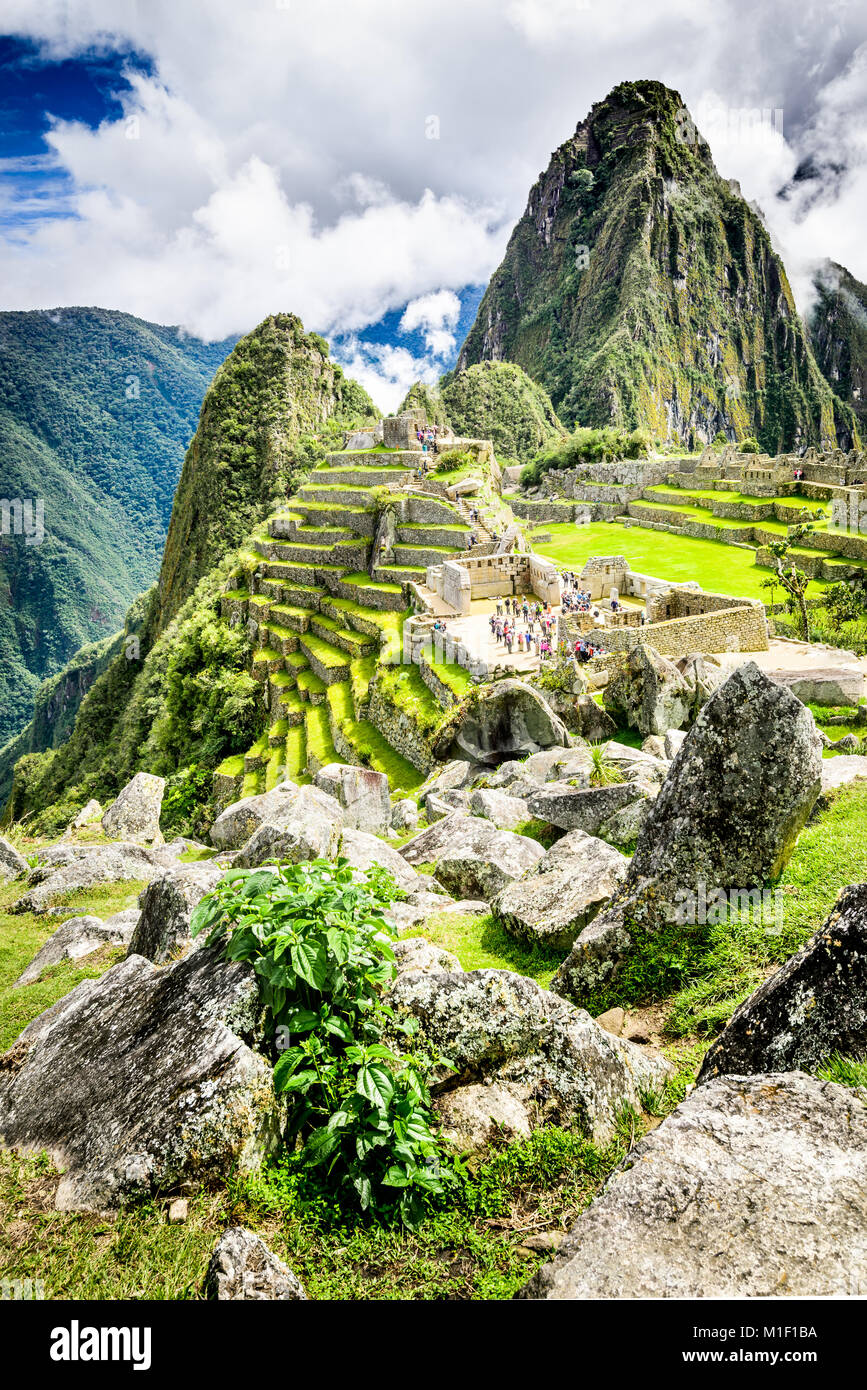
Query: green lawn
point(714, 565)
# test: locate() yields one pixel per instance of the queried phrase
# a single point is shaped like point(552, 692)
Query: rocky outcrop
point(813, 1006)
point(234, 826)
point(508, 720)
point(77, 937)
point(243, 1268)
point(581, 808)
point(311, 829)
point(404, 816)
point(364, 852)
point(754, 1187)
point(505, 811)
point(90, 812)
point(499, 1028)
point(135, 815)
point(649, 693)
point(417, 953)
point(143, 1079)
point(167, 905)
point(101, 864)
point(471, 857)
point(361, 792)
point(553, 903)
point(12, 864)
point(727, 817)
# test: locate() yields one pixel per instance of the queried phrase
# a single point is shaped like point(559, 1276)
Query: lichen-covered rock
point(404, 816)
point(234, 826)
point(624, 827)
point(361, 792)
point(508, 720)
point(310, 830)
point(364, 851)
point(12, 864)
point(167, 905)
point(417, 953)
point(813, 1006)
point(553, 903)
point(506, 812)
point(649, 693)
point(104, 864)
point(243, 1268)
point(571, 765)
point(581, 808)
point(135, 815)
point(474, 865)
point(77, 937)
point(754, 1187)
point(500, 1027)
point(454, 776)
point(91, 811)
point(727, 817)
point(143, 1079)
point(474, 1116)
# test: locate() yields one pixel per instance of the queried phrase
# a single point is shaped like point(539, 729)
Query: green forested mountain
point(838, 333)
point(96, 409)
point(185, 697)
point(640, 289)
point(491, 400)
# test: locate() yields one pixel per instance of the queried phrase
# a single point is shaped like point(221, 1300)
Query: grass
point(454, 677)
point(716, 566)
point(480, 944)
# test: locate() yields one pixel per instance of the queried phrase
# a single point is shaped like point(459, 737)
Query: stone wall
point(400, 731)
point(741, 629)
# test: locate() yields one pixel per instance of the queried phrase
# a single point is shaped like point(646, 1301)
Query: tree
point(792, 579)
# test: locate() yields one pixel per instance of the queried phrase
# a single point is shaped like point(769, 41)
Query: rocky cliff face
point(640, 289)
point(838, 333)
point(276, 389)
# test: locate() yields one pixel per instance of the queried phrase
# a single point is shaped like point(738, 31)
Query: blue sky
point(209, 163)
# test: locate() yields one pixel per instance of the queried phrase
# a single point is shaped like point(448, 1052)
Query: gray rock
point(505, 774)
point(500, 1027)
point(243, 1268)
point(673, 742)
point(106, 864)
point(142, 1080)
point(77, 937)
point(624, 827)
point(581, 808)
point(595, 723)
point(553, 904)
point(135, 815)
point(505, 811)
point(755, 1187)
point(474, 1116)
point(91, 811)
point(234, 826)
point(842, 769)
point(479, 863)
point(417, 953)
point(167, 904)
point(404, 816)
point(654, 744)
point(361, 792)
point(649, 693)
point(508, 720)
point(367, 852)
point(813, 1006)
point(12, 864)
point(727, 817)
point(469, 907)
point(310, 830)
point(559, 764)
point(455, 776)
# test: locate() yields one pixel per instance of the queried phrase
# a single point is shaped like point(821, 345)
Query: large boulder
point(499, 1028)
point(77, 937)
point(472, 858)
point(581, 808)
point(553, 903)
point(417, 953)
point(509, 720)
point(90, 811)
point(404, 816)
point(12, 864)
point(738, 793)
point(142, 1080)
point(234, 826)
point(812, 1006)
point(754, 1187)
point(505, 811)
point(104, 864)
point(572, 765)
point(242, 1268)
point(649, 693)
point(310, 830)
point(364, 851)
point(135, 815)
point(361, 792)
point(167, 905)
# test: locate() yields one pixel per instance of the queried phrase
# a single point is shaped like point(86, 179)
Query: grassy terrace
point(714, 565)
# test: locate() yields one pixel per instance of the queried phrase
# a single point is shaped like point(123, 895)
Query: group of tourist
point(530, 627)
point(427, 437)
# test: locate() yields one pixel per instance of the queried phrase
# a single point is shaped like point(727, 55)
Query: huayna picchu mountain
point(640, 289)
point(96, 410)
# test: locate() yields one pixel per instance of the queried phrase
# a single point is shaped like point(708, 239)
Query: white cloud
point(278, 155)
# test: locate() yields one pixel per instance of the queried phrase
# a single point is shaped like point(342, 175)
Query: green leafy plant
point(319, 945)
point(603, 769)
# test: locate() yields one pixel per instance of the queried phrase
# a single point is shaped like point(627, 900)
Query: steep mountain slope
point(640, 289)
point(838, 333)
point(491, 400)
point(96, 408)
point(255, 439)
point(181, 693)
